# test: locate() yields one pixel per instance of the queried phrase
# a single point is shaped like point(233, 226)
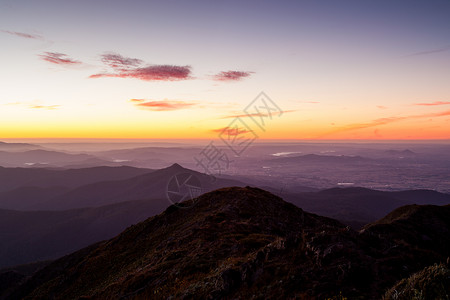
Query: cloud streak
point(119, 62)
point(48, 107)
point(165, 105)
point(126, 67)
point(436, 103)
point(34, 106)
point(152, 73)
point(231, 76)
point(385, 121)
point(231, 131)
point(58, 58)
point(255, 115)
point(427, 52)
point(23, 35)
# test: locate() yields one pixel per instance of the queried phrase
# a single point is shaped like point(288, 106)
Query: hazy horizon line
point(203, 140)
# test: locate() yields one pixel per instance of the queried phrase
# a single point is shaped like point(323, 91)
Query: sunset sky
point(185, 69)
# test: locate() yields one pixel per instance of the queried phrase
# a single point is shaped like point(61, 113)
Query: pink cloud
point(231, 76)
point(24, 35)
point(231, 131)
point(58, 58)
point(381, 107)
point(165, 105)
point(119, 62)
point(152, 73)
point(433, 103)
point(125, 67)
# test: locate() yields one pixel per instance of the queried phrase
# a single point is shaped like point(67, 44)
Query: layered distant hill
point(245, 243)
point(44, 189)
point(43, 203)
point(43, 158)
point(85, 206)
point(357, 206)
point(11, 178)
point(30, 236)
point(18, 146)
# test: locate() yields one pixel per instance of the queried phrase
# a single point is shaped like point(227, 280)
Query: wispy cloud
point(231, 131)
point(432, 51)
point(254, 115)
point(388, 120)
point(48, 107)
point(433, 103)
point(119, 62)
point(231, 75)
point(13, 103)
point(125, 67)
point(381, 107)
point(165, 105)
point(152, 73)
point(34, 105)
point(58, 58)
point(24, 35)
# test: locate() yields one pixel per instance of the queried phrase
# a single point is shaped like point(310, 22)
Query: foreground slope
point(237, 242)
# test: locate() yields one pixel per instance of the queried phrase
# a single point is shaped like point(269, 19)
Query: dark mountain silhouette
point(44, 189)
point(403, 153)
point(409, 238)
point(357, 206)
point(148, 186)
point(11, 178)
point(12, 277)
point(246, 243)
point(28, 236)
point(43, 234)
point(401, 226)
point(29, 197)
point(28, 189)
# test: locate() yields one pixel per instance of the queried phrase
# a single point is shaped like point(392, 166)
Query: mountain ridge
point(234, 242)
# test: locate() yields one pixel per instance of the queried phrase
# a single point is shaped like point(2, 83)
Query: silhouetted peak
point(176, 166)
point(417, 214)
